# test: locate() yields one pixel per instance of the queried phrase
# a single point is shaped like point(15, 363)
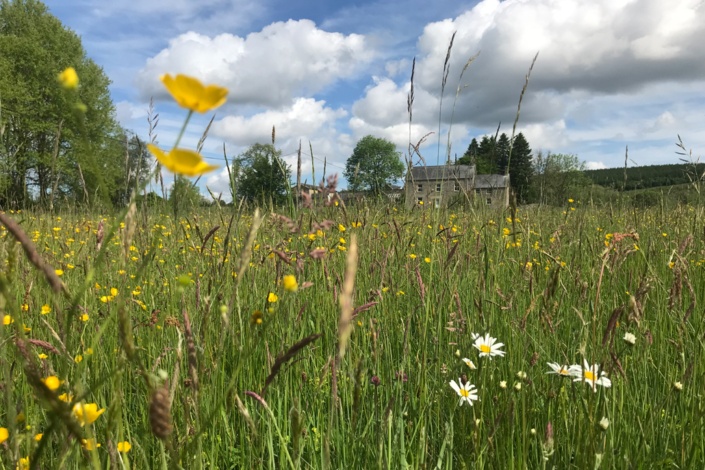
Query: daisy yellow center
point(589, 375)
point(564, 371)
point(484, 348)
point(463, 393)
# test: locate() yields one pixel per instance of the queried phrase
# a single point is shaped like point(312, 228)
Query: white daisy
point(466, 391)
point(590, 374)
point(629, 338)
point(558, 369)
point(469, 363)
point(488, 346)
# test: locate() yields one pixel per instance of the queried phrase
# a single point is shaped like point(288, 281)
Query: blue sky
point(610, 73)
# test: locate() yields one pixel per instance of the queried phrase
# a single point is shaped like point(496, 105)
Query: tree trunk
point(54, 173)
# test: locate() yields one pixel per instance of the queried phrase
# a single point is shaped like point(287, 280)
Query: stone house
point(492, 190)
point(436, 186)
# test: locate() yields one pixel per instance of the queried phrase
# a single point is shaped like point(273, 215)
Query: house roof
point(442, 172)
point(490, 181)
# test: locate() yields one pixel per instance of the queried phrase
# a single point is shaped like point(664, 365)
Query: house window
point(457, 186)
point(489, 201)
point(477, 192)
point(419, 200)
point(438, 187)
point(419, 187)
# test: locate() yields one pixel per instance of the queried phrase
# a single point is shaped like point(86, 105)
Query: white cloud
point(383, 112)
point(595, 165)
point(126, 111)
point(307, 121)
point(593, 45)
point(271, 67)
point(303, 118)
point(665, 120)
point(219, 183)
point(384, 103)
point(609, 73)
point(398, 67)
point(551, 136)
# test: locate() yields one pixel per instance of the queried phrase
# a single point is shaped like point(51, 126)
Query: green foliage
point(486, 159)
point(262, 177)
point(50, 149)
point(502, 153)
point(214, 338)
point(642, 177)
point(374, 165)
point(137, 165)
point(184, 195)
point(557, 177)
point(470, 155)
point(521, 169)
point(645, 199)
point(150, 199)
point(492, 156)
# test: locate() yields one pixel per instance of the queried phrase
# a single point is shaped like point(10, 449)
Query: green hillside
point(643, 177)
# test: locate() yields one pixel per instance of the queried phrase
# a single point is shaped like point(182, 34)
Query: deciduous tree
point(56, 143)
point(262, 176)
point(374, 165)
point(557, 177)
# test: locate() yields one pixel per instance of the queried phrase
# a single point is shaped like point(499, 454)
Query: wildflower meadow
point(369, 336)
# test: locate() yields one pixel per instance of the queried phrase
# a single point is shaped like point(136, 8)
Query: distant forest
point(643, 177)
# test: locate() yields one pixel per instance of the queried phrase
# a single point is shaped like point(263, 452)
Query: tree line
point(541, 177)
point(644, 177)
point(57, 144)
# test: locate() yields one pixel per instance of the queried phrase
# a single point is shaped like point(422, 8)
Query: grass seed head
point(160, 413)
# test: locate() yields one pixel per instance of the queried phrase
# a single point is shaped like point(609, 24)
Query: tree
point(374, 165)
point(521, 170)
point(486, 162)
point(50, 148)
point(262, 176)
point(502, 153)
point(558, 177)
point(470, 155)
point(184, 195)
point(137, 165)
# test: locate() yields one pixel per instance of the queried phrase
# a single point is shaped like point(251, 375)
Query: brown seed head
point(160, 413)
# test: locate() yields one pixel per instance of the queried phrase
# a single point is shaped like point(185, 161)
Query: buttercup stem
point(183, 129)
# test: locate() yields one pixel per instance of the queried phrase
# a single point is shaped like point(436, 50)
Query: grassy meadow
point(328, 337)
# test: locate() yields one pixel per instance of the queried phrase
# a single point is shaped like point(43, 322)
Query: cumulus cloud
point(306, 121)
point(382, 112)
point(604, 72)
point(126, 111)
point(665, 120)
point(601, 46)
point(305, 117)
point(271, 67)
point(594, 46)
point(219, 184)
point(551, 135)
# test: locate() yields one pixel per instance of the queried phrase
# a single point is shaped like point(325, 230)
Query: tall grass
point(250, 384)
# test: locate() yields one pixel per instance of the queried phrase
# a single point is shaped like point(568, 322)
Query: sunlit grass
point(555, 286)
